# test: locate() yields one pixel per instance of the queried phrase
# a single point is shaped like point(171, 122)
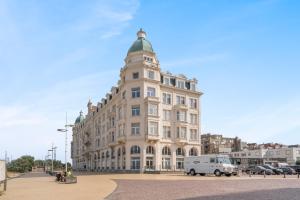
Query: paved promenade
point(39, 186)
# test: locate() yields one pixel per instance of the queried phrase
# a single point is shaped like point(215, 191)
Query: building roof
point(80, 118)
point(141, 44)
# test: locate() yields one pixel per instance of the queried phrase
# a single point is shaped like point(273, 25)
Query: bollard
point(298, 175)
point(250, 174)
point(264, 174)
point(284, 175)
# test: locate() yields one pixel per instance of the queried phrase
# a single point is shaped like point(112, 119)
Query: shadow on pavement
point(275, 194)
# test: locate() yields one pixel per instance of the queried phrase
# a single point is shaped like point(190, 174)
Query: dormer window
point(193, 86)
point(180, 84)
point(167, 80)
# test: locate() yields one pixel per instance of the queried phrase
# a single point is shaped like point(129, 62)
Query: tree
point(22, 164)
point(39, 163)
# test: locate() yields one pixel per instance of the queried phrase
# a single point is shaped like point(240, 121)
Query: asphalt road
point(260, 189)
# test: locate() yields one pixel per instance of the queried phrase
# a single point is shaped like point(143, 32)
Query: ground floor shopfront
point(137, 157)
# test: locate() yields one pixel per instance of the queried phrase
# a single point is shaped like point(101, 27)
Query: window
point(135, 92)
point(167, 98)
point(148, 59)
point(167, 115)
point(193, 103)
point(193, 118)
point(152, 109)
point(167, 80)
point(166, 132)
point(180, 100)
point(135, 163)
point(135, 75)
point(212, 160)
point(179, 163)
point(135, 149)
point(135, 110)
point(150, 150)
point(153, 128)
point(193, 86)
point(135, 128)
point(124, 95)
point(180, 84)
point(181, 132)
point(193, 152)
point(151, 74)
point(166, 151)
point(181, 116)
point(151, 92)
point(179, 152)
point(166, 163)
point(193, 134)
point(120, 114)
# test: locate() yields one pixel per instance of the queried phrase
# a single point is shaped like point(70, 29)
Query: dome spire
point(141, 33)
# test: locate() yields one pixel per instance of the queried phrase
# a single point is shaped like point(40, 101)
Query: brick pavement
point(243, 189)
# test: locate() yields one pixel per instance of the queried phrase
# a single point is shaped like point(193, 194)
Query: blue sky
point(56, 55)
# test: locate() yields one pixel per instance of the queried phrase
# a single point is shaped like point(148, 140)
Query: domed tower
point(142, 59)
point(141, 43)
point(80, 118)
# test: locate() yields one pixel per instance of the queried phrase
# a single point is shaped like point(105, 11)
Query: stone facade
point(149, 121)
point(215, 144)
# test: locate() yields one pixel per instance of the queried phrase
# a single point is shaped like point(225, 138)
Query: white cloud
point(266, 123)
point(107, 18)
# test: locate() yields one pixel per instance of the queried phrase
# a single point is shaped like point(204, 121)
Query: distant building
point(214, 144)
point(260, 156)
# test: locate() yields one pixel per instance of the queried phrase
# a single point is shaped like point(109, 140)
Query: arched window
point(135, 149)
point(180, 152)
point(166, 151)
point(119, 151)
point(123, 151)
point(193, 152)
point(150, 150)
point(102, 154)
point(107, 154)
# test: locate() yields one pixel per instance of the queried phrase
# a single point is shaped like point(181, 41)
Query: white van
point(208, 164)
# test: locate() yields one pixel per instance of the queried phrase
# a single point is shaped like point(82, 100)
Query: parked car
point(258, 170)
point(288, 170)
point(275, 170)
point(296, 168)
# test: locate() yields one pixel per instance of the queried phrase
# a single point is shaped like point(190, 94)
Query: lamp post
point(52, 151)
point(65, 130)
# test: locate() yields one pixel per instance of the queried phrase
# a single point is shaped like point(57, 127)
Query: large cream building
point(149, 121)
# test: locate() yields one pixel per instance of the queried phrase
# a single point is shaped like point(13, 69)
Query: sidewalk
point(38, 187)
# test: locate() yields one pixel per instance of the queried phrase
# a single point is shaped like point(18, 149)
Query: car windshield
point(223, 160)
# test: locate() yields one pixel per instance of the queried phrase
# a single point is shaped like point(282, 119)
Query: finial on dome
point(141, 33)
point(81, 113)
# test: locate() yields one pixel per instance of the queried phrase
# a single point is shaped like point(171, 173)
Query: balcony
point(152, 99)
point(181, 141)
point(152, 137)
point(112, 143)
point(181, 107)
point(121, 139)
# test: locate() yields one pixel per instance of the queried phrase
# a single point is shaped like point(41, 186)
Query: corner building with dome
point(148, 122)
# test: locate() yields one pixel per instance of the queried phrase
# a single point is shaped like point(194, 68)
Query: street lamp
point(65, 130)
